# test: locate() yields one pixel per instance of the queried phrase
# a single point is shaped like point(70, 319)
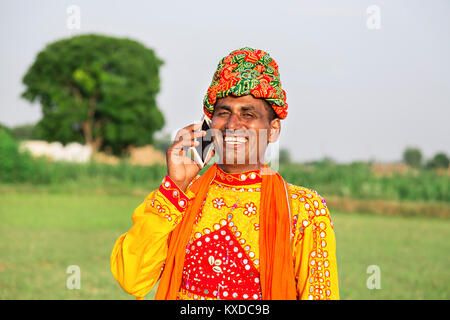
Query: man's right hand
point(182, 169)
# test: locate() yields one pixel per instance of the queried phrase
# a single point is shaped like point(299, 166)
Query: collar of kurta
point(238, 179)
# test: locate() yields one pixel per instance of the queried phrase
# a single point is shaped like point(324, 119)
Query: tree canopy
point(97, 90)
point(440, 160)
point(413, 157)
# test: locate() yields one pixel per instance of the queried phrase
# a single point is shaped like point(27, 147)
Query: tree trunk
point(88, 126)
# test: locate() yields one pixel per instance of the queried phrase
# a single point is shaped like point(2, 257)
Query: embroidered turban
point(247, 71)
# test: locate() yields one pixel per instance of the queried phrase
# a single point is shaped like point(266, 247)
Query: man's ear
point(274, 130)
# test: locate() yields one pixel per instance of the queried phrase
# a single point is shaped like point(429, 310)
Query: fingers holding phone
point(186, 138)
point(181, 168)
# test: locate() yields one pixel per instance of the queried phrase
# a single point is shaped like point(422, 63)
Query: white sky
point(353, 93)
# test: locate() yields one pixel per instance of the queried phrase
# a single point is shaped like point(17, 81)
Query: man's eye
point(248, 115)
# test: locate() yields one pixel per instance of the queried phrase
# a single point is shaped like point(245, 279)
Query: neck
point(238, 168)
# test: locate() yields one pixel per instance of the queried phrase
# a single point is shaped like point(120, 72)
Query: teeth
point(234, 140)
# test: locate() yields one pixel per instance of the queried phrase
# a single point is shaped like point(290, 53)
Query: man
point(239, 231)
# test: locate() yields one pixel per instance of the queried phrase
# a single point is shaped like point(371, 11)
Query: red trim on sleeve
point(174, 194)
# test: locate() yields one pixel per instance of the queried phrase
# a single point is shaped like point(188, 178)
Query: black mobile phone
point(203, 149)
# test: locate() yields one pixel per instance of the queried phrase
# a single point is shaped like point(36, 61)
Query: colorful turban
point(247, 71)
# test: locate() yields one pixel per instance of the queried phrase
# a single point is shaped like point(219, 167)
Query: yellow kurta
point(222, 257)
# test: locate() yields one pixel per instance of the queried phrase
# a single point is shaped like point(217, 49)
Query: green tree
point(440, 160)
point(96, 90)
point(412, 157)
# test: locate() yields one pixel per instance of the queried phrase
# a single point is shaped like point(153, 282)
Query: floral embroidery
point(247, 71)
point(250, 209)
point(218, 203)
point(215, 263)
point(158, 204)
point(160, 209)
point(238, 179)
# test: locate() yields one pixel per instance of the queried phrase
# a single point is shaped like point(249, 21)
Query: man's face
point(242, 130)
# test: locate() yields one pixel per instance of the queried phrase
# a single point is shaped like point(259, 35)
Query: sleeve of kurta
point(314, 248)
point(138, 256)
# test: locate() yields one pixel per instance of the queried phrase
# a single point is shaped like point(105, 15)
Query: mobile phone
point(202, 151)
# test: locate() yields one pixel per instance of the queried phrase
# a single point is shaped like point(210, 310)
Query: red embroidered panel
point(174, 194)
point(217, 266)
point(238, 179)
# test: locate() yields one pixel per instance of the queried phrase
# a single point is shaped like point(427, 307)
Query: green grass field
point(43, 233)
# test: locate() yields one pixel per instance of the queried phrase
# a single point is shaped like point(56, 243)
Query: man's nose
point(234, 122)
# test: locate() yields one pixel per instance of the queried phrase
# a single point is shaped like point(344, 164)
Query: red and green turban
point(247, 71)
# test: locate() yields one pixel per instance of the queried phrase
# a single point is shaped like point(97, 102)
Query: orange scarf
point(276, 264)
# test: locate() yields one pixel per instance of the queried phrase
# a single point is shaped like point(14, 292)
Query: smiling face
point(243, 127)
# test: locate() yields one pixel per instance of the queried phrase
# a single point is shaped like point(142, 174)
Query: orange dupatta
point(276, 265)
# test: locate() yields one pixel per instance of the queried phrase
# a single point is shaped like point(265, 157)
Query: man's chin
point(239, 159)
point(237, 155)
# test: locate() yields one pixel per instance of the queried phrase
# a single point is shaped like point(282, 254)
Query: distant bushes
point(357, 181)
point(14, 166)
point(62, 172)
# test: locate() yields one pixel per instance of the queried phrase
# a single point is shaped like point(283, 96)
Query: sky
point(364, 79)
